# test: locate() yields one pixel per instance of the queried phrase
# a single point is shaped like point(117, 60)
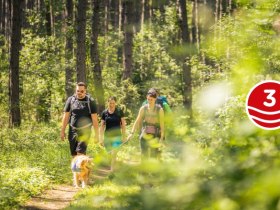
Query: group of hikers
point(80, 111)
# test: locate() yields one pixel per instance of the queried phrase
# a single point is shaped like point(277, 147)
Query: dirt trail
point(60, 196)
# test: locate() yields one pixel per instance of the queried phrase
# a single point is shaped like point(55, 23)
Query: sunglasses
point(80, 91)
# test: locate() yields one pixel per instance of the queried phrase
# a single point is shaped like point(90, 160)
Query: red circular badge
point(263, 104)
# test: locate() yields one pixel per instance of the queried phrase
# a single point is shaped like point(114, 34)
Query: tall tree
point(115, 13)
point(184, 21)
point(195, 25)
point(48, 21)
point(15, 118)
point(94, 53)
point(145, 14)
point(81, 40)
point(187, 88)
point(1, 16)
point(106, 16)
point(8, 15)
point(69, 72)
point(128, 38)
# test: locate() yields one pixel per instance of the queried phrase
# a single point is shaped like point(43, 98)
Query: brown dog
point(80, 166)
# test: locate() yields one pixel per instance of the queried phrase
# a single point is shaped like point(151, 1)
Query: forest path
point(60, 196)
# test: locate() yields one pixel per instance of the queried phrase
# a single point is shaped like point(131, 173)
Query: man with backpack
point(81, 113)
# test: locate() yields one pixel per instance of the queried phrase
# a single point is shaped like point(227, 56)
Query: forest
point(203, 55)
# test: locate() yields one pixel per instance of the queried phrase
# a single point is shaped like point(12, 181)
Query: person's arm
point(161, 123)
point(123, 128)
point(65, 120)
point(95, 126)
point(136, 123)
point(101, 132)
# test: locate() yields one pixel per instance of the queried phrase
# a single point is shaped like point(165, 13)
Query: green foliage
point(221, 161)
point(41, 75)
point(106, 196)
point(4, 66)
point(18, 184)
point(31, 158)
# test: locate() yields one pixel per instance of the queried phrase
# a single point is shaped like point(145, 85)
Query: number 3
point(269, 97)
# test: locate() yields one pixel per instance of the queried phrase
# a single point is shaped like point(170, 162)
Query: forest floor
point(60, 196)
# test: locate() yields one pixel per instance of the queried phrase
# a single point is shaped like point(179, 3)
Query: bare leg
point(113, 160)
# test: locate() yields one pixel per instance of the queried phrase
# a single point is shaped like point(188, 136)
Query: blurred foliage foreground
point(221, 162)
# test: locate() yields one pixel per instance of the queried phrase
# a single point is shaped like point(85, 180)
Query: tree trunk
point(121, 17)
point(137, 11)
point(187, 80)
point(187, 89)
point(128, 39)
point(8, 22)
point(15, 118)
point(1, 16)
point(48, 24)
point(195, 26)
point(52, 18)
point(94, 53)
point(184, 22)
point(81, 40)
point(115, 14)
point(69, 71)
point(106, 16)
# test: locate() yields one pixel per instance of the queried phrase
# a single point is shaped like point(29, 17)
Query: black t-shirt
point(112, 122)
point(80, 113)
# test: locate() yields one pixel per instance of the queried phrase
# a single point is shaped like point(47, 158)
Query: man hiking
point(81, 113)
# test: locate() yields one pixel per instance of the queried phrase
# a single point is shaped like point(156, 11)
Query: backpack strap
point(157, 108)
point(88, 100)
point(73, 99)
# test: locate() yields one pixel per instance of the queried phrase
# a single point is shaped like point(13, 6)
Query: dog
point(81, 166)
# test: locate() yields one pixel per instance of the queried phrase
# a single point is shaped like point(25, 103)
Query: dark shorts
point(78, 140)
point(112, 142)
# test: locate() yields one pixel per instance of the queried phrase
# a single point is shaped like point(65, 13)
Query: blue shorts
point(112, 142)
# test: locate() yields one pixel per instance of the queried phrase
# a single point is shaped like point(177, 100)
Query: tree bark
point(115, 14)
point(15, 118)
point(48, 23)
point(195, 26)
point(121, 17)
point(69, 71)
point(81, 41)
point(94, 53)
point(184, 22)
point(187, 79)
point(106, 16)
point(128, 39)
point(8, 22)
point(1, 16)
